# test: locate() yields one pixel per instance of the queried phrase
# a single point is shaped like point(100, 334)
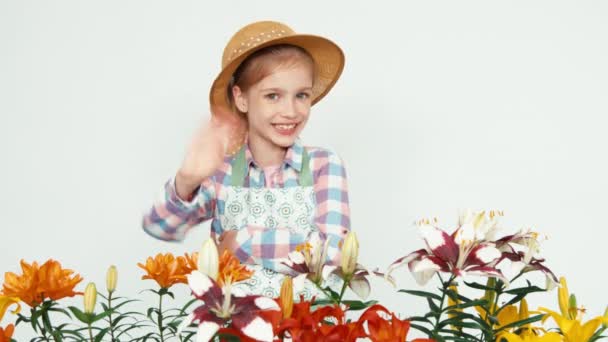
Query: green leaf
point(101, 315)
point(479, 286)
point(456, 296)
point(483, 325)
point(477, 302)
point(458, 323)
point(81, 316)
point(187, 305)
point(63, 311)
point(101, 334)
point(57, 336)
point(525, 290)
point(422, 294)
point(355, 305)
point(522, 322)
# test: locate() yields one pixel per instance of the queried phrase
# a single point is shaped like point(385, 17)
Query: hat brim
point(329, 64)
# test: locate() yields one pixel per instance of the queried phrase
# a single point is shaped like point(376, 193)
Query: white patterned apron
point(292, 207)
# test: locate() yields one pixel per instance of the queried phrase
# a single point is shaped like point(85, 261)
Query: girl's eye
point(272, 96)
point(303, 95)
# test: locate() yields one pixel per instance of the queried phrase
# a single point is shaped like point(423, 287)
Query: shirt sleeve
point(269, 246)
point(171, 217)
point(332, 208)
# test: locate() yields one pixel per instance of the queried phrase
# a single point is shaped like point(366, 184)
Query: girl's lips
point(285, 129)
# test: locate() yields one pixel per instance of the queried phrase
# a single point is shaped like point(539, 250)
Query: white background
point(442, 105)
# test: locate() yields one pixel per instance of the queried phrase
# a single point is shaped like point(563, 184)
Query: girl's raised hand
point(204, 155)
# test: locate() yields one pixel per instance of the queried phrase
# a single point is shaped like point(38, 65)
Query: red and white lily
point(246, 314)
point(521, 249)
point(467, 251)
point(307, 262)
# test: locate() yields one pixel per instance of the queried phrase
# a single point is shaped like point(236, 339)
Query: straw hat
point(327, 56)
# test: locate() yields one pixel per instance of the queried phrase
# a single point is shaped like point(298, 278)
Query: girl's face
point(278, 106)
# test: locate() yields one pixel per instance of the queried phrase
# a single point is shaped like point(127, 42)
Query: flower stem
point(110, 316)
point(346, 281)
point(160, 314)
point(328, 295)
point(39, 325)
point(90, 333)
point(444, 288)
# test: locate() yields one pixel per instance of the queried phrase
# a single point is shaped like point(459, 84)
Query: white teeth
point(286, 126)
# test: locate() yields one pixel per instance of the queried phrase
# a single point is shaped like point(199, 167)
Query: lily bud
point(287, 296)
point(208, 259)
point(350, 253)
point(562, 297)
point(111, 276)
point(90, 297)
point(452, 313)
point(523, 310)
point(572, 309)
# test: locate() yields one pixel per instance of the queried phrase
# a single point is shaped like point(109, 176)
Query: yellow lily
point(5, 302)
point(570, 322)
point(573, 329)
point(549, 337)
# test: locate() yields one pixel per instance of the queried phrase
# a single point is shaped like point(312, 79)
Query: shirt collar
point(293, 156)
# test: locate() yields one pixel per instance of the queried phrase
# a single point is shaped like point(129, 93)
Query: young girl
point(248, 171)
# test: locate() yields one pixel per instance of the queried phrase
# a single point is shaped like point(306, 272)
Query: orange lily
point(231, 270)
point(7, 333)
point(37, 283)
point(166, 269)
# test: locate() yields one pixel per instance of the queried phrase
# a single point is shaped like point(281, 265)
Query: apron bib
point(292, 207)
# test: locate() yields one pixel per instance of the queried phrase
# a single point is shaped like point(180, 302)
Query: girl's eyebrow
point(280, 90)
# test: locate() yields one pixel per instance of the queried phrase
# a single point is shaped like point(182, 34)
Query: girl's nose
point(291, 109)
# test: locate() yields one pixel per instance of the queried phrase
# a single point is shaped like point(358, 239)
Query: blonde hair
point(263, 63)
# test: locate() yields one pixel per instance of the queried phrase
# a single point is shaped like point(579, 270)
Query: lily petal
point(440, 243)
point(201, 285)
point(258, 329)
point(360, 286)
point(206, 331)
point(416, 255)
point(265, 303)
point(483, 254)
point(298, 283)
point(423, 270)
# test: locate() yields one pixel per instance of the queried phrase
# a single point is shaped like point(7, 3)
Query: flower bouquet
point(461, 308)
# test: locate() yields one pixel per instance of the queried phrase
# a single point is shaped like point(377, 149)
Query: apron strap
point(238, 169)
point(305, 174)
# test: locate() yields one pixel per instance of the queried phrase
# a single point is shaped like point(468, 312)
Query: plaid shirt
point(171, 217)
